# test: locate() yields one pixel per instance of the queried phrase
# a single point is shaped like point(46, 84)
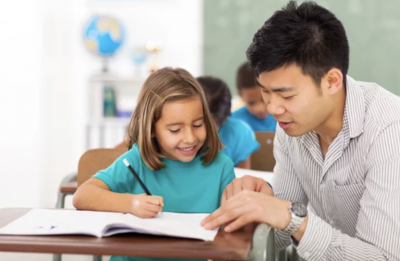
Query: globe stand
point(104, 68)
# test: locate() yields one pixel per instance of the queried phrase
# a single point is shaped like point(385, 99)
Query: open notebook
point(103, 224)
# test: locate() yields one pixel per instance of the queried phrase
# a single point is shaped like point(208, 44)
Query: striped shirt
point(355, 191)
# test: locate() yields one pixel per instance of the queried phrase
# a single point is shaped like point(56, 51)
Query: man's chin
point(294, 132)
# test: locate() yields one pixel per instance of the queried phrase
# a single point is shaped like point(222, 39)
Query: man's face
point(254, 102)
point(294, 100)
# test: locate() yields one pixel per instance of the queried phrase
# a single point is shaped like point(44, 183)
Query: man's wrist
point(298, 235)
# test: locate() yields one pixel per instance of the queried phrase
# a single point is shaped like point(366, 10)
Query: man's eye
point(288, 98)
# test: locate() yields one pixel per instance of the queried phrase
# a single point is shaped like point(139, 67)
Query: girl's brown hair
point(163, 86)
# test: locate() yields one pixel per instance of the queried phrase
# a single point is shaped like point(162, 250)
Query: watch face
point(299, 209)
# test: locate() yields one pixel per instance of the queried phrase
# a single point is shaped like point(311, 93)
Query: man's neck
point(330, 129)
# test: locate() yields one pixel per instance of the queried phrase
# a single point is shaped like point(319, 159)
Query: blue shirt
point(186, 187)
point(239, 140)
point(266, 124)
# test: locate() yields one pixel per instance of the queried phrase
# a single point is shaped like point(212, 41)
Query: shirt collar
point(354, 107)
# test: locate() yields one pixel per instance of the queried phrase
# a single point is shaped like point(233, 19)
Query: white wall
point(44, 70)
point(21, 52)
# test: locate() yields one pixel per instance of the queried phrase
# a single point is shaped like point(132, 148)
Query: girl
point(238, 138)
point(173, 147)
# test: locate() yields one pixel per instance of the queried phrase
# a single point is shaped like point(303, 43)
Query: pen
point(137, 177)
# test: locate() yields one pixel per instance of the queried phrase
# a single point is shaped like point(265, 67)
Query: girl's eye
point(198, 126)
point(174, 131)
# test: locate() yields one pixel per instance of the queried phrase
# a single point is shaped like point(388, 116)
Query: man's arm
point(286, 183)
point(378, 224)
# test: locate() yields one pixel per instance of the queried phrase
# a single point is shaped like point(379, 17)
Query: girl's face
point(180, 132)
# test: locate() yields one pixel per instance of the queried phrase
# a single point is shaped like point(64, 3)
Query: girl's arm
point(246, 164)
point(95, 195)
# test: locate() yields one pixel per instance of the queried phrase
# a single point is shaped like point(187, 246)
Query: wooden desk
point(235, 246)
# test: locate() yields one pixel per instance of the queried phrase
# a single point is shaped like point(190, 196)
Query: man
point(255, 112)
point(337, 146)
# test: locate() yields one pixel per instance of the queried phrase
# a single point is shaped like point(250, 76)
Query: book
point(104, 224)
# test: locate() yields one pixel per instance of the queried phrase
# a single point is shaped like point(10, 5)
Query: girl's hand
point(145, 206)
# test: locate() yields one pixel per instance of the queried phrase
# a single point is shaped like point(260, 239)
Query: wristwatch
point(299, 213)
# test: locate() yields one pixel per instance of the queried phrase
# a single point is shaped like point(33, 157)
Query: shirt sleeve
point(378, 224)
point(228, 175)
point(286, 183)
point(245, 142)
point(117, 176)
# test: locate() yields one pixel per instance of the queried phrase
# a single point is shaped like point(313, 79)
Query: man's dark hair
point(245, 77)
point(218, 98)
point(307, 35)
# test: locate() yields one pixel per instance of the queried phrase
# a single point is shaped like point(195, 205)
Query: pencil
point(136, 177)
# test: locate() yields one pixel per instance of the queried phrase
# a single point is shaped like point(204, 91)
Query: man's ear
point(334, 80)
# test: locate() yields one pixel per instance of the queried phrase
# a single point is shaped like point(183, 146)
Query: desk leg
point(56, 257)
point(263, 244)
point(97, 258)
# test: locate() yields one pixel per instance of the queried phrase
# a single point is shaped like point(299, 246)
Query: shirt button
point(306, 255)
point(331, 222)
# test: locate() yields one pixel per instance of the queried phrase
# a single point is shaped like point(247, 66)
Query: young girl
point(238, 137)
point(173, 147)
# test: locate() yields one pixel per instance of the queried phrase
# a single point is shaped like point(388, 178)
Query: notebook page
point(57, 222)
point(172, 224)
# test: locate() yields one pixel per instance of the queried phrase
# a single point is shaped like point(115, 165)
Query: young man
point(337, 146)
point(255, 112)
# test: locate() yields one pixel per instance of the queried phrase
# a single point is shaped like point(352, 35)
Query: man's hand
point(246, 183)
point(247, 207)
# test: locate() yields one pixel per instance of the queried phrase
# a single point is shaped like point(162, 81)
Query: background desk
point(235, 246)
point(267, 176)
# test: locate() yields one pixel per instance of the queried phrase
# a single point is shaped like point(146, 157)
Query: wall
point(372, 27)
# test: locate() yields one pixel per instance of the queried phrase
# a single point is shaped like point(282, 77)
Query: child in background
point(255, 111)
point(174, 148)
point(237, 137)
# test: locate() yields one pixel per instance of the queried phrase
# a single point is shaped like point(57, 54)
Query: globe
point(103, 35)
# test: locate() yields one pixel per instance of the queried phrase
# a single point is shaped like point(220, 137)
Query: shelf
point(113, 78)
point(109, 122)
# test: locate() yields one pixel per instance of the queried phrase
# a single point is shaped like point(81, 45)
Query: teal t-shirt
point(239, 140)
point(186, 187)
point(266, 124)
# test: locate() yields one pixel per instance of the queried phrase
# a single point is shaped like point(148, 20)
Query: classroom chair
point(89, 164)
point(94, 160)
point(263, 159)
point(67, 187)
